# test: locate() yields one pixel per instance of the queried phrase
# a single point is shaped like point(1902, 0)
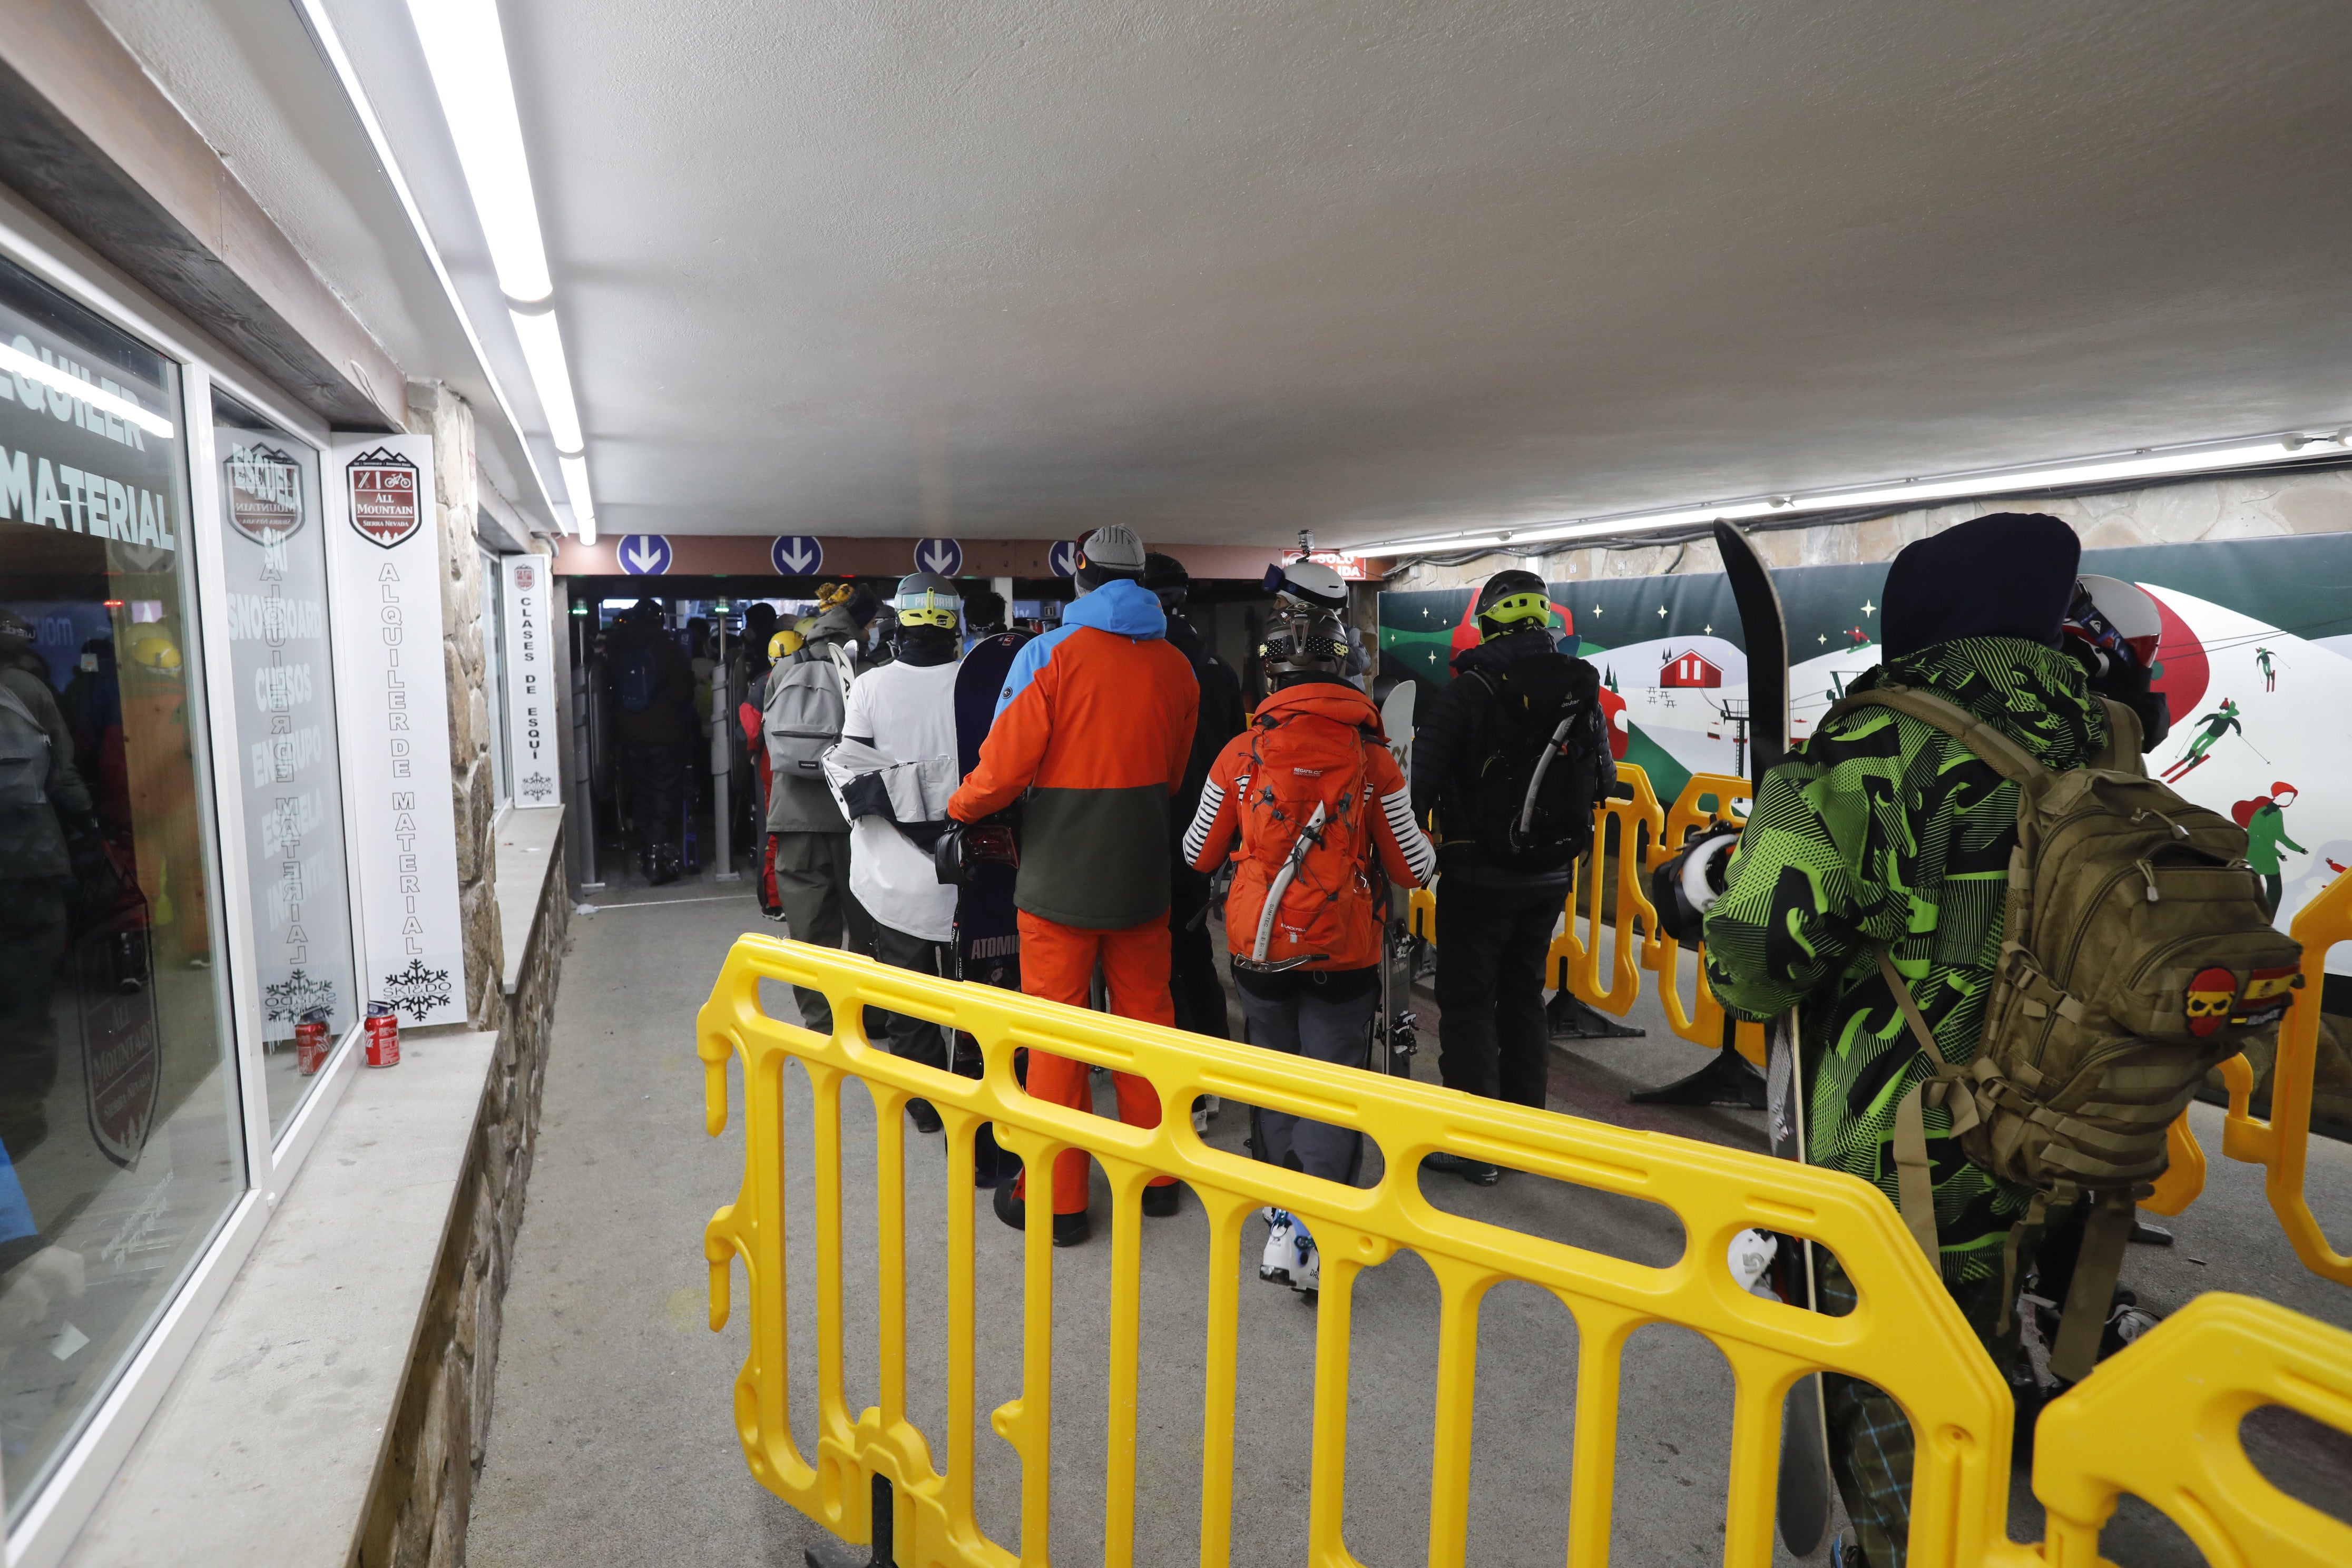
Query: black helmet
point(1165, 577)
point(1513, 601)
point(1303, 639)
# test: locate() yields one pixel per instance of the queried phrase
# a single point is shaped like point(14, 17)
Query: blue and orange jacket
point(1094, 724)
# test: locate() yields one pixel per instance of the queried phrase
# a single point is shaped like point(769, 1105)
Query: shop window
point(121, 1140)
point(274, 550)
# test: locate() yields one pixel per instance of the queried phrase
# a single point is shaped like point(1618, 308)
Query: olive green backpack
point(2137, 953)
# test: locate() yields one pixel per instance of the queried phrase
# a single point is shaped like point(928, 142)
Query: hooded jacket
point(1883, 831)
point(1095, 726)
point(1326, 714)
point(806, 805)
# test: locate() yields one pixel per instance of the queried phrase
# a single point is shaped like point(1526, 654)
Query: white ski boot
point(1306, 1261)
point(1275, 1264)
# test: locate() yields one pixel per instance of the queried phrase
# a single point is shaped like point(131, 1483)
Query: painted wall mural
point(2256, 661)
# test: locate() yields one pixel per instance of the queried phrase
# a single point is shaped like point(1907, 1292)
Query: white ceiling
point(1223, 270)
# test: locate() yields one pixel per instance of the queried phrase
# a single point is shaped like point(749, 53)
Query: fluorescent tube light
point(2151, 463)
point(467, 53)
point(575, 485)
point(542, 349)
point(18, 363)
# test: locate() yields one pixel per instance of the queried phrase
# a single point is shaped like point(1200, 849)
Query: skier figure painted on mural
point(2264, 820)
point(2217, 724)
point(2265, 662)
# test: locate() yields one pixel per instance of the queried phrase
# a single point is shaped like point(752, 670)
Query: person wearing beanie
point(1093, 733)
point(1881, 832)
point(1497, 902)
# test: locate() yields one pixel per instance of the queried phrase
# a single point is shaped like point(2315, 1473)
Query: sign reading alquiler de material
point(528, 584)
point(385, 551)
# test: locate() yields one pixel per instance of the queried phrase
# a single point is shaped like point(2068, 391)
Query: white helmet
point(1310, 581)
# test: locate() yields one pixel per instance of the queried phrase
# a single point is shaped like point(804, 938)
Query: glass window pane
point(120, 1142)
point(275, 547)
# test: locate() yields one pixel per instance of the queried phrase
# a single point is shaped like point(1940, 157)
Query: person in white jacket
point(892, 772)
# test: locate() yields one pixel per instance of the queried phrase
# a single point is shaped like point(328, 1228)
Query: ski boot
point(1274, 1266)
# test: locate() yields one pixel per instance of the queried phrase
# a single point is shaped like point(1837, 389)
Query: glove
point(1686, 887)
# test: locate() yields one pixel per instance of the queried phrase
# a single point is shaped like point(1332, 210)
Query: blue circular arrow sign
point(1063, 559)
point(944, 556)
point(796, 555)
point(643, 555)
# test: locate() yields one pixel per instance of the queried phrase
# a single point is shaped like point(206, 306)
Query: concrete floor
point(612, 1440)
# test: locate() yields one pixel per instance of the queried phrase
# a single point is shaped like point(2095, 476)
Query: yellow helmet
point(785, 644)
point(153, 649)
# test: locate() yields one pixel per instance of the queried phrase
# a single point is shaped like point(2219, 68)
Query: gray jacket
point(806, 805)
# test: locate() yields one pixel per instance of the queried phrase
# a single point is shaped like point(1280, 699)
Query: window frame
point(81, 1476)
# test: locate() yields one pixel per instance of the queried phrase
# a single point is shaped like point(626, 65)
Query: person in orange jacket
point(1092, 732)
point(1318, 819)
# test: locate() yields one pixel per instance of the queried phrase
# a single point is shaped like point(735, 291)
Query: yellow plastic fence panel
point(2281, 1143)
point(2160, 1421)
point(1420, 914)
point(1906, 1336)
point(1576, 959)
point(2184, 1176)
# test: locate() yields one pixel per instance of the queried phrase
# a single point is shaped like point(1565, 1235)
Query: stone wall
point(423, 1492)
point(2255, 506)
point(435, 410)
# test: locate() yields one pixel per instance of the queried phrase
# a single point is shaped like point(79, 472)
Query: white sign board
point(528, 582)
point(384, 552)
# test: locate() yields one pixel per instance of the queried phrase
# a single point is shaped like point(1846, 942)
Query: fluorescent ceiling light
point(583, 505)
point(122, 405)
point(542, 349)
point(467, 53)
point(2084, 472)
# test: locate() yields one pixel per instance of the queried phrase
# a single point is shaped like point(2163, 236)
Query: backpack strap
point(2121, 754)
point(2084, 1319)
point(1915, 1174)
point(1997, 750)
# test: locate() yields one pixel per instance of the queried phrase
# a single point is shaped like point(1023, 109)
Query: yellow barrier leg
point(1125, 1336)
point(1760, 1390)
point(963, 1374)
point(843, 1495)
point(1328, 1468)
point(1600, 1336)
point(1227, 1213)
point(1460, 1289)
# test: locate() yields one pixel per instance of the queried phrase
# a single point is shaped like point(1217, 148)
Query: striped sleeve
point(1412, 845)
point(1196, 837)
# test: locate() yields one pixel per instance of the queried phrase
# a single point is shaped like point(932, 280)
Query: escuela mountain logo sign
point(386, 508)
point(265, 494)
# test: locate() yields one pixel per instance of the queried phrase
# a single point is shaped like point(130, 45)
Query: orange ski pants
point(1057, 963)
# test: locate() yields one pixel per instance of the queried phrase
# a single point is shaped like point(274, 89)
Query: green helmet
point(1513, 601)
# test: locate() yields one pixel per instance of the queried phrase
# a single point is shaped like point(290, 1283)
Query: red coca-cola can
point(312, 1041)
point(383, 1035)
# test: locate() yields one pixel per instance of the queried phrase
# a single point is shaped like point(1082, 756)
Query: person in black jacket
point(653, 691)
point(1497, 908)
point(1193, 982)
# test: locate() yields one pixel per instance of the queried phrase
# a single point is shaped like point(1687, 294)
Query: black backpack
point(1531, 804)
point(637, 678)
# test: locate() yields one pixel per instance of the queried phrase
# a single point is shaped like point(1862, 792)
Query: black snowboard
point(987, 929)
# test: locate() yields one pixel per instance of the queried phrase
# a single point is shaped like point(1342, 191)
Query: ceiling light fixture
point(2149, 462)
point(465, 51)
point(25, 367)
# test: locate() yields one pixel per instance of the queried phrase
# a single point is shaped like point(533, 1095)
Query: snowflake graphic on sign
point(535, 787)
point(417, 990)
point(295, 995)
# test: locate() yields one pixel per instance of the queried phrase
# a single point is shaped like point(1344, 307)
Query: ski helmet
point(928, 599)
point(1310, 581)
point(1513, 601)
point(1165, 577)
point(1304, 639)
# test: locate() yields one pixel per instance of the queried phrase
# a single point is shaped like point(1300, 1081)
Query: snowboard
point(987, 927)
point(1393, 1031)
point(1804, 1483)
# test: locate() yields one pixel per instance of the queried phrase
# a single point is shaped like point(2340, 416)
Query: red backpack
point(1304, 769)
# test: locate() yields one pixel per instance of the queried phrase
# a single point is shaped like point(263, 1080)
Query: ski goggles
point(929, 610)
point(1519, 608)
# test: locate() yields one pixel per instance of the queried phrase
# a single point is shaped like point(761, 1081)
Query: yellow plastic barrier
point(1906, 1336)
point(2281, 1143)
point(2160, 1421)
point(1575, 961)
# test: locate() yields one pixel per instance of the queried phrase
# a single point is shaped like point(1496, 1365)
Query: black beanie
point(2008, 574)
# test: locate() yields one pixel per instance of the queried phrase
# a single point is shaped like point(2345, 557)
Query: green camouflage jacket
point(1885, 831)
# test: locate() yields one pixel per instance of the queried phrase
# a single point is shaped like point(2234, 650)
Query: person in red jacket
point(1317, 818)
point(1092, 732)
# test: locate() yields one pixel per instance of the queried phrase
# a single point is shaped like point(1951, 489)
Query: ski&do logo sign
point(385, 508)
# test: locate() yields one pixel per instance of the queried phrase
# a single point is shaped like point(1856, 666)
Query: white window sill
point(527, 837)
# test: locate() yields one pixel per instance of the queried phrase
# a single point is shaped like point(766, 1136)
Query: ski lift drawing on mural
point(1731, 714)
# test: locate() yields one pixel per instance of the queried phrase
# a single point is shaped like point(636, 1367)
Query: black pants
point(1492, 1038)
point(1193, 983)
point(657, 782)
point(915, 1039)
point(812, 889)
point(33, 931)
